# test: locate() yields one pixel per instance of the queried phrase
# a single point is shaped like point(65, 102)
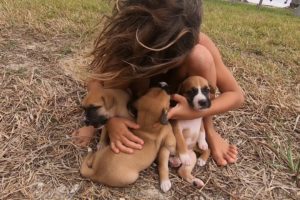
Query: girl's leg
point(200, 62)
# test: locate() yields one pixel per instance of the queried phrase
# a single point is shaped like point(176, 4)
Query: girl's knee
point(200, 60)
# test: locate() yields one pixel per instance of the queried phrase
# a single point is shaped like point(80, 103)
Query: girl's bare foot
point(83, 136)
point(222, 152)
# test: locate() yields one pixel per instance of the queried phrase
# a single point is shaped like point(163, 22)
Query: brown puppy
point(189, 133)
point(122, 169)
point(100, 104)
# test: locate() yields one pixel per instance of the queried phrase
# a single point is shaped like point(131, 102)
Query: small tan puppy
point(190, 134)
point(99, 105)
point(106, 167)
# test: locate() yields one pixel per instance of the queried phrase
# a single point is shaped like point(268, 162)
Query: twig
point(205, 183)
point(296, 122)
point(232, 195)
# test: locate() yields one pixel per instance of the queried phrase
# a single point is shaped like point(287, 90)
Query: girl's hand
point(121, 139)
point(182, 110)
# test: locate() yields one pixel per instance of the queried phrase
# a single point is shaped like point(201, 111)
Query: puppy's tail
point(86, 169)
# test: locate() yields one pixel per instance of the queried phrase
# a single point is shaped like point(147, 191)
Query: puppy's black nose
point(97, 122)
point(203, 103)
point(92, 118)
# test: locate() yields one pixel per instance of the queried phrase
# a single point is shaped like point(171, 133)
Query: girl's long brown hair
point(144, 38)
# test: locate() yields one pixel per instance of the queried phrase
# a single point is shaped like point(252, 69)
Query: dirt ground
point(40, 94)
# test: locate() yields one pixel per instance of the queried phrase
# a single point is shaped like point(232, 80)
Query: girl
point(146, 40)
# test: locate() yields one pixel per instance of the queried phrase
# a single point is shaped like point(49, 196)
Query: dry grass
point(40, 104)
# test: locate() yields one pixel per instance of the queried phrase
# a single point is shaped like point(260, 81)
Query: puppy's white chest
point(193, 125)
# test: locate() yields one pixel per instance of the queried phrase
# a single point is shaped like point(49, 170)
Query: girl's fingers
point(131, 144)
point(134, 138)
point(178, 98)
point(172, 113)
point(131, 124)
point(122, 148)
point(114, 148)
point(83, 143)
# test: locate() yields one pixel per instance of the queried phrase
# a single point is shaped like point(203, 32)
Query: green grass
point(54, 16)
point(263, 37)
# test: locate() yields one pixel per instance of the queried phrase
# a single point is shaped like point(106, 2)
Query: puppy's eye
point(205, 90)
point(192, 91)
point(91, 107)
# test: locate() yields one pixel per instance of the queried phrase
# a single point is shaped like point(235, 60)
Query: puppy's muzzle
point(92, 117)
point(204, 103)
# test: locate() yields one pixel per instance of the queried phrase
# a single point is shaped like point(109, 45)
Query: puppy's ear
point(212, 90)
point(164, 117)
point(109, 101)
point(94, 84)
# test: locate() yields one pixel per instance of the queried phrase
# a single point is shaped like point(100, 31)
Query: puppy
point(99, 105)
point(189, 133)
point(122, 169)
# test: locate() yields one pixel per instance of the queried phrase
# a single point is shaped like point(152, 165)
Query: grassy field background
point(42, 48)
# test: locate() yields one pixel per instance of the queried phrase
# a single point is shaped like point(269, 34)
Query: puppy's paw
point(165, 185)
point(198, 183)
point(201, 162)
point(174, 161)
point(202, 144)
point(185, 159)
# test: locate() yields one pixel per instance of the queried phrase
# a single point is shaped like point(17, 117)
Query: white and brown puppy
point(190, 134)
point(119, 170)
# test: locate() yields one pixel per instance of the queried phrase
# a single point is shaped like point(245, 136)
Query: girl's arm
point(231, 96)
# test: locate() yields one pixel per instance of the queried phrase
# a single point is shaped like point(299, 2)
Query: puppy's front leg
point(103, 142)
point(86, 169)
point(202, 144)
point(163, 158)
point(203, 158)
point(181, 146)
point(168, 147)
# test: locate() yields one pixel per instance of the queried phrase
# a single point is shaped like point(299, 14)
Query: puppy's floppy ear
point(212, 90)
point(94, 84)
point(164, 117)
point(108, 101)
